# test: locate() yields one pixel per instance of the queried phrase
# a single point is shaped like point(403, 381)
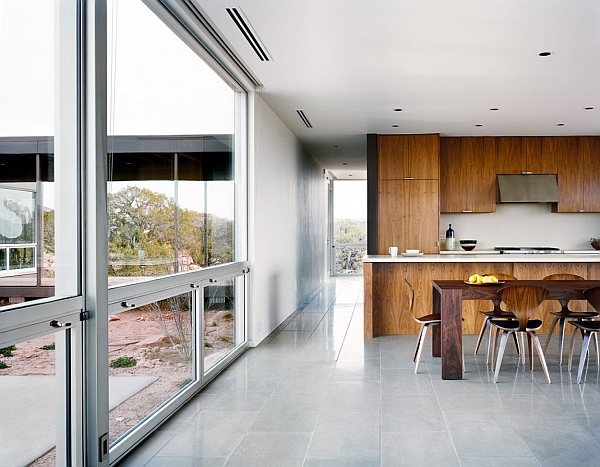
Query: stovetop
point(528, 250)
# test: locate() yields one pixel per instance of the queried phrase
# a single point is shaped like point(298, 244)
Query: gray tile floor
point(317, 394)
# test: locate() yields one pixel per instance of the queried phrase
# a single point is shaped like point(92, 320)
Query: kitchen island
point(386, 297)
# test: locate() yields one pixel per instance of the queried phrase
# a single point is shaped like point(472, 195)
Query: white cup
point(393, 250)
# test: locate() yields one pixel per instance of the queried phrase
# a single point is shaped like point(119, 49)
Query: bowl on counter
point(468, 245)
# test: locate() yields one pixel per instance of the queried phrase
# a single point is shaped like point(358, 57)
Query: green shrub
point(123, 362)
point(184, 383)
point(48, 346)
point(3, 365)
point(208, 345)
point(7, 351)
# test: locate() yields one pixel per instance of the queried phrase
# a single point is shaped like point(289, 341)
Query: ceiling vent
point(303, 118)
point(244, 26)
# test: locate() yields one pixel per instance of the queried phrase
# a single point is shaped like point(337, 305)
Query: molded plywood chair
point(523, 301)
point(565, 313)
point(587, 328)
point(425, 322)
point(495, 313)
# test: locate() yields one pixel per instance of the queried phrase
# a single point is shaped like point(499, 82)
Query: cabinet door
point(424, 156)
point(570, 175)
point(589, 152)
point(454, 196)
point(510, 159)
point(479, 157)
point(542, 153)
point(408, 216)
point(393, 160)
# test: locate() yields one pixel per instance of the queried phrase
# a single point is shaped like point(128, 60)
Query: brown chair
point(495, 313)
point(425, 321)
point(523, 301)
point(587, 328)
point(565, 313)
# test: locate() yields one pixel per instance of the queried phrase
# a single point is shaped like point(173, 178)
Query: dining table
point(447, 300)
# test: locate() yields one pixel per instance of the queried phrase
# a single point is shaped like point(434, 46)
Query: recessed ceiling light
point(344, 163)
point(493, 109)
point(397, 110)
point(560, 124)
point(545, 54)
point(588, 108)
point(478, 124)
point(350, 175)
point(336, 146)
point(394, 126)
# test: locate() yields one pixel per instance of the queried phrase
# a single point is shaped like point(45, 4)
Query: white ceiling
point(349, 63)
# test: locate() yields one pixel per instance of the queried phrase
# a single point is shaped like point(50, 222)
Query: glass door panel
point(151, 359)
point(221, 327)
point(29, 393)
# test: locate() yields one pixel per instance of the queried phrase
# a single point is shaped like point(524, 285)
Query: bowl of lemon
point(483, 279)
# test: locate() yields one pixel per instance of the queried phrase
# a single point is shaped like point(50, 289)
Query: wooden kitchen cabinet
point(467, 174)
point(408, 156)
point(527, 154)
point(408, 215)
point(578, 174)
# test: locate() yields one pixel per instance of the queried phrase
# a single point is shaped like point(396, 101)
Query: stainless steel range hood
point(528, 188)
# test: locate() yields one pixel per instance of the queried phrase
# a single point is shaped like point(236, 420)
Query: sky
point(350, 199)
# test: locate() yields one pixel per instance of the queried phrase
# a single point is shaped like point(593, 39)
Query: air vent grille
point(303, 118)
point(248, 32)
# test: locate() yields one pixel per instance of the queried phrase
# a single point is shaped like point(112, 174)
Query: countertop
point(570, 256)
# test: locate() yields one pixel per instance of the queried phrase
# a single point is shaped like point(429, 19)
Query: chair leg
point(550, 333)
point(418, 344)
point(530, 352)
point(494, 340)
point(522, 345)
point(481, 333)
point(573, 334)
point(503, 340)
point(584, 349)
point(422, 335)
point(518, 347)
point(561, 338)
point(540, 352)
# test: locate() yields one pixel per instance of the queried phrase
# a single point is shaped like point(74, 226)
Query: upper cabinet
point(527, 154)
point(408, 157)
point(578, 174)
point(467, 174)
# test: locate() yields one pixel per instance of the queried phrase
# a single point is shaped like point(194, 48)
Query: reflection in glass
point(219, 322)
point(171, 152)
point(28, 395)
point(151, 358)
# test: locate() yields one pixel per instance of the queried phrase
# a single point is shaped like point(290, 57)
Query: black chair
point(523, 301)
point(588, 329)
point(560, 317)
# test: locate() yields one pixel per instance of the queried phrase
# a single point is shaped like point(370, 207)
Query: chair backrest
point(563, 277)
point(564, 303)
point(593, 297)
point(523, 300)
point(502, 276)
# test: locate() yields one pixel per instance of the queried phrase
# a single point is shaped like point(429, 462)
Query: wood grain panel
point(392, 211)
point(424, 152)
point(589, 154)
point(368, 299)
point(570, 175)
point(393, 162)
point(541, 154)
point(510, 159)
point(454, 195)
point(479, 153)
point(422, 225)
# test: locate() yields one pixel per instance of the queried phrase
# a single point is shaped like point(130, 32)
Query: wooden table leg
point(449, 303)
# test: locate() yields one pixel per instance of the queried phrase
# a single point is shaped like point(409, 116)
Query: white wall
point(525, 225)
point(288, 220)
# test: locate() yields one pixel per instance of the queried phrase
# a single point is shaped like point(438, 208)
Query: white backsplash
point(524, 225)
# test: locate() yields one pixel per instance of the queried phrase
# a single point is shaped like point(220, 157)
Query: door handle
point(58, 324)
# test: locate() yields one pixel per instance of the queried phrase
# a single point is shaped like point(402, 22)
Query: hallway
point(316, 394)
